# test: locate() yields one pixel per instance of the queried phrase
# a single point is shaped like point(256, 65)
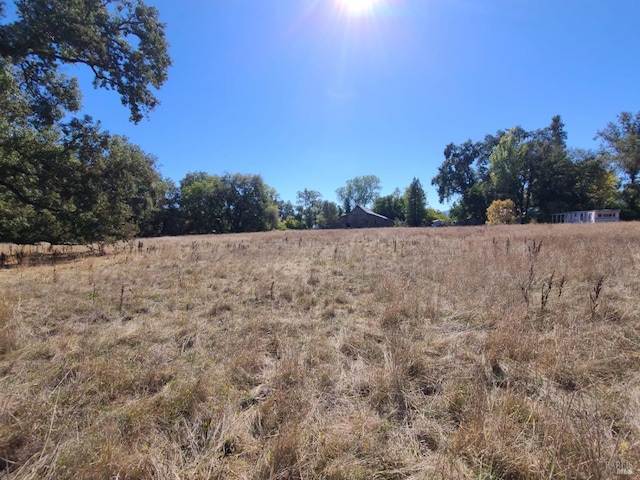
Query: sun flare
point(357, 7)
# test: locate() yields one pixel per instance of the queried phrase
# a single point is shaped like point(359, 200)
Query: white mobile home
point(587, 216)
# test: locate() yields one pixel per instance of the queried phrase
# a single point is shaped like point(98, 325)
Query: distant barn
point(362, 217)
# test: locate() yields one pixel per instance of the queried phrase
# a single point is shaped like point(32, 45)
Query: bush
point(500, 212)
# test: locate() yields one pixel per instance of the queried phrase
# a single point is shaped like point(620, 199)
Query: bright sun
point(356, 7)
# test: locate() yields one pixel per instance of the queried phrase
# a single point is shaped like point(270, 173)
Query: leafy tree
point(464, 176)
point(457, 174)
point(553, 174)
point(292, 223)
point(415, 204)
point(309, 204)
point(329, 213)
point(248, 205)
point(121, 41)
point(286, 209)
point(472, 208)
point(359, 191)
point(228, 203)
point(509, 170)
point(172, 218)
point(391, 206)
point(202, 203)
point(540, 174)
point(621, 144)
point(76, 184)
point(433, 214)
point(596, 184)
point(345, 195)
point(501, 212)
point(68, 181)
point(130, 194)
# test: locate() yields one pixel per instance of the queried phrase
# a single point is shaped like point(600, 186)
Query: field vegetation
point(506, 352)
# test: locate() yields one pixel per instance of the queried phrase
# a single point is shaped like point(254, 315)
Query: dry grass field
point(508, 352)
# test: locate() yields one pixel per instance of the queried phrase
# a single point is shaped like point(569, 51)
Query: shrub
point(500, 212)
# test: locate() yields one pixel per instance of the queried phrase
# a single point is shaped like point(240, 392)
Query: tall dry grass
point(480, 352)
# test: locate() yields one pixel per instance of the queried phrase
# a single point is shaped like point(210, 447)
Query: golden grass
point(479, 352)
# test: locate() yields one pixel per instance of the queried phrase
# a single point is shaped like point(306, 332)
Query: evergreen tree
point(552, 171)
point(415, 204)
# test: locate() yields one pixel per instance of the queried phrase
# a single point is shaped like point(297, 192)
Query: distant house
point(362, 217)
point(587, 216)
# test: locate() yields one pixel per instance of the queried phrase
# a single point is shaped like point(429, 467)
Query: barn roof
point(371, 212)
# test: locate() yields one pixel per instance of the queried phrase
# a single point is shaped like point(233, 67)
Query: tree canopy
point(63, 179)
point(416, 204)
point(536, 171)
point(309, 206)
point(391, 206)
point(78, 185)
point(228, 203)
point(361, 191)
point(121, 41)
point(621, 145)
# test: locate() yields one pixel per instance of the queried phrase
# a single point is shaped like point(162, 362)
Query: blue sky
point(309, 94)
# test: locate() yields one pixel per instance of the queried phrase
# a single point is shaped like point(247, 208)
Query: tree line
point(540, 175)
point(405, 208)
point(65, 180)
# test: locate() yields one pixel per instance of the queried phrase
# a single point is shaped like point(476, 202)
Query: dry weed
point(482, 352)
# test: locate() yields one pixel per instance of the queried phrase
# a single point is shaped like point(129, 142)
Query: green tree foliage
point(552, 173)
point(533, 169)
point(501, 212)
point(172, 218)
point(472, 208)
point(329, 213)
point(127, 194)
point(596, 184)
point(228, 203)
point(286, 209)
point(391, 206)
point(457, 174)
point(250, 205)
point(620, 142)
point(68, 181)
point(345, 196)
point(121, 41)
point(309, 204)
point(415, 204)
point(510, 171)
point(292, 223)
point(202, 203)
point(433, 214)
point(78, 185)
point(361, 191)
point(464, 176)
